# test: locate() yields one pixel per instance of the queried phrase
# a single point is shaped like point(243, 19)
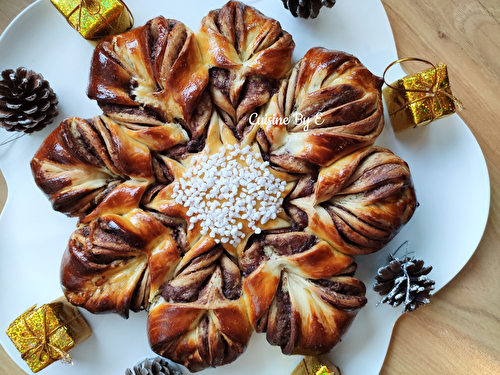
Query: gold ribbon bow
point(86, 4)
point(323, 370)
point(95, 19)
point(44, 335)
point(312, 365)
point(40, 342)
point(431, 92)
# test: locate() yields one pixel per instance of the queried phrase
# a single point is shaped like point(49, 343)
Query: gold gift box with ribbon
point(314, 365)
point(45, 335)
point(96, 19)
point(417, 100)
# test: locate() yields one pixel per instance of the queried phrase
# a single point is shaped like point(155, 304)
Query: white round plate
point(447, 165)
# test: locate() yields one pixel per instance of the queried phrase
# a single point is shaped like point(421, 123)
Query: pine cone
point(307, 8)
point(157, 366)
point(27, 103)
point(392, 282)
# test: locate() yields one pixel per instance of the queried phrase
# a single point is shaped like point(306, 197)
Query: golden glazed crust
point(201, 320)
point(247, 54)
point(330, 106)
point(291, 147)
point(150, 75)
point(83, 161)
point(300, 291)
point(115, 262)
point(361, 201)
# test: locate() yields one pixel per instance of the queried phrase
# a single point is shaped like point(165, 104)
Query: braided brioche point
point(82, 161)
point(298, 292)
point(360, 202)
point(199, 319)
point(114, 262)
point(150, 75)
point(247, 54)
point(329, 106)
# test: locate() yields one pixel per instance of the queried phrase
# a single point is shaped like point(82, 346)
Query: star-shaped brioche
point(224, 189)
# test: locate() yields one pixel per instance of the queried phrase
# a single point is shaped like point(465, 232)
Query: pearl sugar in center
point(228, 192)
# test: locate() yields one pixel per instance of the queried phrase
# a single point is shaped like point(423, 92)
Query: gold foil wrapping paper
point(418, 99)
point(312, 365)
point(96, 19)
point(44, 335)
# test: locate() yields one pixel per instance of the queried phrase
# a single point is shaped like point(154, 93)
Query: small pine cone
point(412, 289)
point(27, 103)
point(157, 366)
point(307, 8)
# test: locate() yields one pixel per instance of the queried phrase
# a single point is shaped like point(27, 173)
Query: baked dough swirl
point(247, 53)
point(329, 106)
point(150, 75)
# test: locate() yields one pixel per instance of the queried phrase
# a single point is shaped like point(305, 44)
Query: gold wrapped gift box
point(313, 365)
point(96, 19)
point(419, 99)
point(44, 335)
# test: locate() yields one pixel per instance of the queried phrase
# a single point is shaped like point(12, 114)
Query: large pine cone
point(307, 8)
point(27, 103)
